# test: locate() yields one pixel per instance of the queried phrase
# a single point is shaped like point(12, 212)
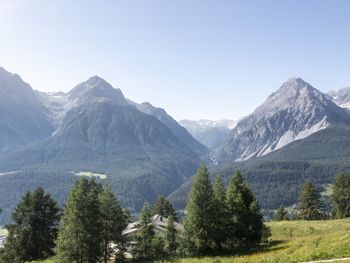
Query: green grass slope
point(295, 241)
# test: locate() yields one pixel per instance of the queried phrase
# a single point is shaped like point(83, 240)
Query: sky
point(197, 59)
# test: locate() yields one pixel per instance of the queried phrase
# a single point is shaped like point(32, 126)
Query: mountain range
point(94, 129)
point(50, 139)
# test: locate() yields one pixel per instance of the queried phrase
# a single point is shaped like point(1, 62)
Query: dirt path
point(329, 260)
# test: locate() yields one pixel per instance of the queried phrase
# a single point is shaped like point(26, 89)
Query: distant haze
point(197, 59)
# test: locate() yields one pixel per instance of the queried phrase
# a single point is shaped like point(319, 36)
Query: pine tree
point(245, 220)
point(310, 206)
point(254, 224)
point(281, 214)
point(80, 236)
point(341, 196)
point(113, 220)
point(220, 215)
point(163, 207)
point(200, 214)
point(144, 249)
point(170, 237)
point(34, 230)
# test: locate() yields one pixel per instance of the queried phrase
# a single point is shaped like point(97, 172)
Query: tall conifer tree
point(146, 238)
point(200, 214)
point(341, 196)
point(34, 228)
point(220, 215)
point(170, 237)
point(310, 205)
point(80, 237)
point(113, 220)
point(245, 220)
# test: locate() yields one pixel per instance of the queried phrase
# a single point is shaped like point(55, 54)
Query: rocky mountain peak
point(96, 89)
point(295, 87)
point(294, 95)
point(295, 111)
point(295, 82)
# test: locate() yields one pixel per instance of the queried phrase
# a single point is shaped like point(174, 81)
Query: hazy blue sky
point(197, 59)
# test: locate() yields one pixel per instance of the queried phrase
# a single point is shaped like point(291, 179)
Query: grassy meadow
point(292, 241)
point(295, 241)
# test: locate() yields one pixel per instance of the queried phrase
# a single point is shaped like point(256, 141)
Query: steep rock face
point(208, 132)
point(23, 119)
point(294, 112)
